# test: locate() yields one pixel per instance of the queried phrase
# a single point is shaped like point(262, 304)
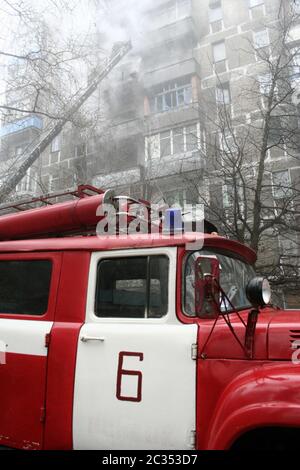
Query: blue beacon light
point(173, 220)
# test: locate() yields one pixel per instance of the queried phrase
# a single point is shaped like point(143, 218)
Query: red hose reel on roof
point(71, 217)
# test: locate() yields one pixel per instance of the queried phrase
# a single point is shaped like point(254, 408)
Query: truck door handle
point(85, 339)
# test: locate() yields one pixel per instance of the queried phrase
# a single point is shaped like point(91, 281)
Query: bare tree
point(253, 140)
point(47, 68)
point(43, 66)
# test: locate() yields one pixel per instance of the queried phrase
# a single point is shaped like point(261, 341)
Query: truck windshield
point(234, 276)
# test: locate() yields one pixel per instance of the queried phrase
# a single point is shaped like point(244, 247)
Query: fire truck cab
point(136, 342)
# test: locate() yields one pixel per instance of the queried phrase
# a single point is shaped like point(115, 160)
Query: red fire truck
point(135, 342)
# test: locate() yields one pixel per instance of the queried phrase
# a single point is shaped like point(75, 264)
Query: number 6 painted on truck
point(136, 373)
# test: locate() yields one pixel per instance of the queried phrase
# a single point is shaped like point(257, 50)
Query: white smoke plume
point(121, 20)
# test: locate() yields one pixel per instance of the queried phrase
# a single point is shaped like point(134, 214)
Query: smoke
point(121, 20)
point(86, 28)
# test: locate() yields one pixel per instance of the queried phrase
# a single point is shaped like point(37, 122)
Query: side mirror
point(258, 292)
point(207, 296)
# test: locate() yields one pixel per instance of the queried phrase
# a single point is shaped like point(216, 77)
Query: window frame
point(96, 257)
point(276, 186)
point(256, 44)
point(84, 147)
point(56, 259)
point(228, 200)
point(215, 7)
point(275, 123)
point(165, 141)
point(214, 45)
point(207, 251)
point(225, 140)
point(28, 183)
point(265, 83)
point(172, 90)
point(159, 155)
point(294, 74)
point(180, 193)
point(147, 260)
point(223, 94)
point(56, 144)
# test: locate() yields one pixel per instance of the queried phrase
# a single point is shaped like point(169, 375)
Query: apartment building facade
point(159, 126)
point(249, 47)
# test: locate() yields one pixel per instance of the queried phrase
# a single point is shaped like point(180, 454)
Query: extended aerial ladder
point(119, 50)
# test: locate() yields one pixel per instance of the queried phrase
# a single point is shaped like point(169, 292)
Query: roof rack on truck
point(80, 212)
point(77, 216)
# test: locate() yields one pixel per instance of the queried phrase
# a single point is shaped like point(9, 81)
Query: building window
point(181, 197)
point(24, 286)
point(178, 140)
point(28, 184)
point(281, 182)
point(227, 144)
point(132, 287)
point(215, 14)
point(233, 196)
point(219, 51)
point(289, 245)
point(228, 196)
point(171, 12)
point(172, 95)
point(223, 94)
point(187, 139)
point(55, 144)
point(276, 135)
point(295, 66)
point(261, 38)
point(296, 6)
point(255, 3)
point(80, 150)
point(192, 143)
point(219, 57)
point(293, 34)
point(265, 83)
point(165, 143)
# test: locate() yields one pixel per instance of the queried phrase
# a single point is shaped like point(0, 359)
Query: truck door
point(135, 377)
point(28, 285)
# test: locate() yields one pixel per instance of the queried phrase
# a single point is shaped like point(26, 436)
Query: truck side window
point(24, 286)
point(133, 287)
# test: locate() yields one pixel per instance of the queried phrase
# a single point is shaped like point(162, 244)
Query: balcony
point(173, 117)
point(293, 35)
point(154, 75)
point(31, 122)
point(163, 13)
point(173, 31)
point(120, 178)
point(174, 165)
point(127, 129)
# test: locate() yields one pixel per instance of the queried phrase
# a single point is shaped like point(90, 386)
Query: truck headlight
point(258, 291)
